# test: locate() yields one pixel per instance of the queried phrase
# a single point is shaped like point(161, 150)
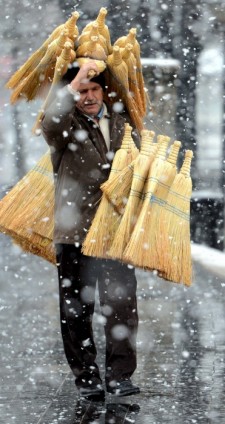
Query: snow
point(163, 62)
point(210, 258)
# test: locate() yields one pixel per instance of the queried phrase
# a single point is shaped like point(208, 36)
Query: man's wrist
point(75, 93)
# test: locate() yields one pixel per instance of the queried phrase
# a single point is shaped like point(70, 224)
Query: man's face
point(91, 98)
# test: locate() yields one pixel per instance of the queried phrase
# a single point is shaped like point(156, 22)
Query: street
point(181, 350)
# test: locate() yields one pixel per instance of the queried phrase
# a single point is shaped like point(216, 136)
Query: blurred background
point(183, 55)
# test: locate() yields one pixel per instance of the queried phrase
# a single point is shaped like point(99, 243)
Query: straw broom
point(138, 244)
point(85, 37)
point(141, 168)
point(106, 219)
point(152, 256)
point(62, 63)
point(92, 49)
point(131, 39)
point(176, 221)
point(43, 73)
point(45, 251)
point(103, 28)
point(117, 188)
point(132, 152)
point(25, 70)
point(118, 82)
point(31, 201)
point(131, 63)
point(121, 180)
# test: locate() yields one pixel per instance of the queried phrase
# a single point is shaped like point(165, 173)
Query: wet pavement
point(181, 350)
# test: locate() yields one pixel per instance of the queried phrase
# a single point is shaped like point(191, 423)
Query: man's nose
point(90, 94)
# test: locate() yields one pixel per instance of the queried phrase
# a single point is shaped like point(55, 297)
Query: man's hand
point(82, 76)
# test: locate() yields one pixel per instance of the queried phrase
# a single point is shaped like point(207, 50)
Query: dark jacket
point(80, 163)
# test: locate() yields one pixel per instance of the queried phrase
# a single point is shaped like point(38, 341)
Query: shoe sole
point(130, 392)
point(93, 396)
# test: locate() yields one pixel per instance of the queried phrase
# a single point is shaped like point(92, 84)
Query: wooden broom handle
point(172, 158)
point(186, 167)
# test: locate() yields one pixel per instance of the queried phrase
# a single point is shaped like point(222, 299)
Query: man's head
point(91, 91)
point(91, 98)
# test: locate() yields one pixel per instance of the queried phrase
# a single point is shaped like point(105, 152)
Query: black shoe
point(122, 388)
point(94, 392)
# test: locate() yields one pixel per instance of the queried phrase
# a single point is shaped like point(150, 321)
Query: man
point(83, 134)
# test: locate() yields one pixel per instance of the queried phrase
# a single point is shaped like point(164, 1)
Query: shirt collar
point(102, 113)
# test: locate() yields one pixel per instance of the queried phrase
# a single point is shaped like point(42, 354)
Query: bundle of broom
point(26, 212)
point(102, 28)
point(86, 36)
point(122, 63)
point(18, 80)
point(131, 39)
point(138, 246)
point(118, 82)
point(42, 74)
point(31, 220)
point(117, 189)
point(175, 219)
point(131, 62)
point(92, 45)
point(142, 165)
point(106, 219)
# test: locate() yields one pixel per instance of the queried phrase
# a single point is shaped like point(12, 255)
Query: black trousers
point(78, 275)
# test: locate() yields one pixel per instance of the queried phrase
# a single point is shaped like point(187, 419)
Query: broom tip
point(177, 143)
point(189, 154)
point(76, 14)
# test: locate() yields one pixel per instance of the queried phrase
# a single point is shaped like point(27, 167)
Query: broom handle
point(163, 141)
point(186, 167)
point(101, 18)
point(131, 37)
point(172, 158)
point(117, 58)
point(71, 25)
point(127, 138)
point(146, 141)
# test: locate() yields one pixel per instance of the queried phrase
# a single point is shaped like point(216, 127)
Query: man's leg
point(117, 289)
point(77, 283)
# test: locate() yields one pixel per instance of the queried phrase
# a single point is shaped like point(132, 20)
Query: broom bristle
point(177, 262)
point(102, 230)
point(30, 205)
point(46, 252)
point(119, 186)
point(124, 230)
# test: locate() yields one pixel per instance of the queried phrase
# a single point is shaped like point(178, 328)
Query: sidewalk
point(181, 348)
